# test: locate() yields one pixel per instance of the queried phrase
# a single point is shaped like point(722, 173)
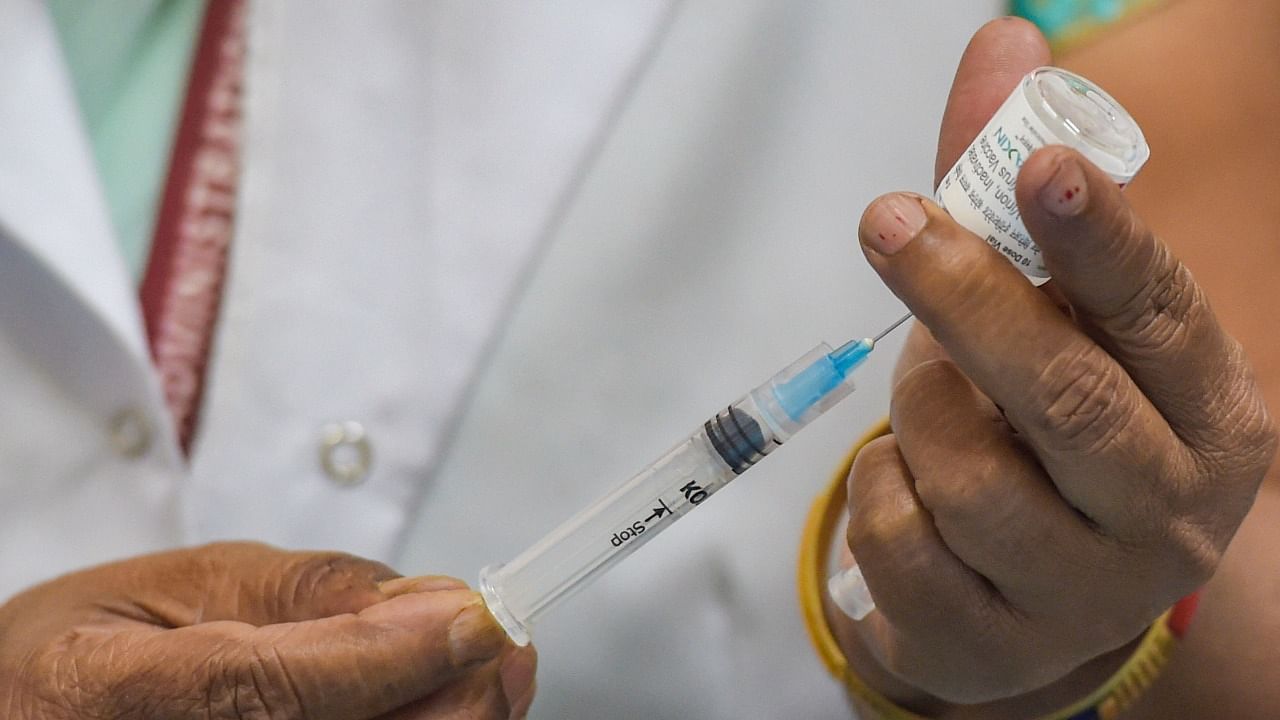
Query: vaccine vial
point(1049, 107)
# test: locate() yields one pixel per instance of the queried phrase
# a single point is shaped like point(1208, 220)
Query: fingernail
point(474, 636)
point(1065, 193)
point(848, 589)
point(893, 221)
point(517, 674)
point(423, 583)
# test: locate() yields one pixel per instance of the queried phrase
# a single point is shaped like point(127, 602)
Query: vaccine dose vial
point(1050, 106)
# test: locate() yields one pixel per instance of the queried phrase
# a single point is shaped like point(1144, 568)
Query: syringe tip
point(851, 354)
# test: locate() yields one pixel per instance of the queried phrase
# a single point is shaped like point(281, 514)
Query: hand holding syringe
point(724, 447)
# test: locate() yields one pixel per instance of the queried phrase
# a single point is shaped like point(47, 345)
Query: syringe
point(724, 447)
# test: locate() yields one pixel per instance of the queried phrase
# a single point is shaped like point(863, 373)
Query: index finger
point(1137, 300)
point(345, 667)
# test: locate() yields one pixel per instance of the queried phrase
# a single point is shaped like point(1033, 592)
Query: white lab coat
point(527, 246)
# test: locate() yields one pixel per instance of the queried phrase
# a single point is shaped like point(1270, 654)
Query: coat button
point(130, 433)
point(345, 453)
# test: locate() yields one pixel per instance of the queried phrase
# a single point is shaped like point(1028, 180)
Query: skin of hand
point(1200, 76)
point(240, 630)
point(1064, 465)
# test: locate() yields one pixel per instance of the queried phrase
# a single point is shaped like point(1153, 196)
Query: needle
point(891, 328)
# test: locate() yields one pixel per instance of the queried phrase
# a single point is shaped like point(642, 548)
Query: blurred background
point(712, 242)
point(418, 281)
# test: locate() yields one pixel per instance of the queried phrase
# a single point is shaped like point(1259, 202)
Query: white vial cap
point(1086, 118)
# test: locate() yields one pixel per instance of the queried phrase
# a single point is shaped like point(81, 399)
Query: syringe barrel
point(617, 524)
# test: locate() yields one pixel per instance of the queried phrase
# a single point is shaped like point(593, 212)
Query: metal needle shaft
point(891, 328)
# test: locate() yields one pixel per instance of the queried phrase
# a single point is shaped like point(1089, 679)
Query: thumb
point(347, 667)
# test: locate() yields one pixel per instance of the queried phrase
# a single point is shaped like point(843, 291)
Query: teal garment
point(1059, 19)
point(129, 62)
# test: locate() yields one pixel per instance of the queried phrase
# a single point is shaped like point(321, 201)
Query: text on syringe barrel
point(622, 521)
point(617, 524)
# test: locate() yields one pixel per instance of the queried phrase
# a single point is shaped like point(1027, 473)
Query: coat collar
point(51, 202)
point(53, 211)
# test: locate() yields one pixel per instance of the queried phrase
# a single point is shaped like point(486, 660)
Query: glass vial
point(1049, 107)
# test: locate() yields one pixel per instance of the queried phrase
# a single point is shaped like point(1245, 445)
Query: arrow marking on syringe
point(658, 512)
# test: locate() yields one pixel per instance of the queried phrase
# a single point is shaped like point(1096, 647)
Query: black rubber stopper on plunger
point(737, 438)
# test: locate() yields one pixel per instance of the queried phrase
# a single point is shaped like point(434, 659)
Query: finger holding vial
point(1086, 465)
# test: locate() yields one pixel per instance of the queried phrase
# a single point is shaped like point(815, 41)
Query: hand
point(246, 631)
point(1055, 480)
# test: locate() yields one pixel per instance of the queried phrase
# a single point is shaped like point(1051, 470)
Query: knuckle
point(878, 456)
point(1196, 550)
point(974, 486)
point(917, 389)
point(316, 575)
point(924, 376)
point(1233, 452)
point(1243, 438)
point(884, 538)
point(871, 522)
point(1158, 317)
point(879, 536)
point(1085, 401)
point(1171, 561)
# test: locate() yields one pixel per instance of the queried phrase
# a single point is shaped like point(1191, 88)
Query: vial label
point(978, 190)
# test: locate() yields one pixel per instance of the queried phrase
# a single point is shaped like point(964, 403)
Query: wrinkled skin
point(1065, 463)
point(240, 631)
